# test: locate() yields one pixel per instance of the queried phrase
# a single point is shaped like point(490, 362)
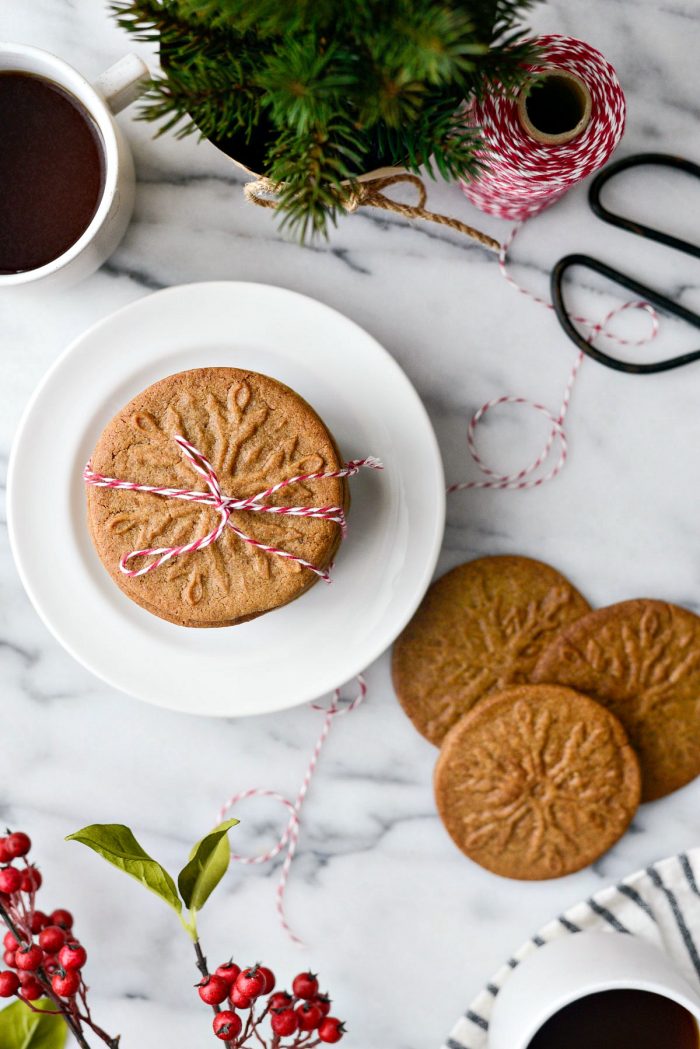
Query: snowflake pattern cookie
point(255, 432)
point(537, 782)
point(641, 660)
point(480, 628)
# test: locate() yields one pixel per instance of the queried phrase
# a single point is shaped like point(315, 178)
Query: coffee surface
point(620, 1020)
point(51, 171)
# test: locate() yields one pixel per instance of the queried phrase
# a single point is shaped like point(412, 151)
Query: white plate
point(299, 652)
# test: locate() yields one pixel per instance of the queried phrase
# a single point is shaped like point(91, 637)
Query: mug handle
point(122, 83)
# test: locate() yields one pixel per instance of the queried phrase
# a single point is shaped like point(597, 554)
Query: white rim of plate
point(352, 667)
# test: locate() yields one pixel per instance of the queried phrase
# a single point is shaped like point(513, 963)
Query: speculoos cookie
point(480, 628)
point(537, 782)
point(641, 660)
point(255, 432)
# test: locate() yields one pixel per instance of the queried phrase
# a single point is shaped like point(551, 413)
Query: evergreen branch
point(331, 88)
point(314, 172)
point(303, 87)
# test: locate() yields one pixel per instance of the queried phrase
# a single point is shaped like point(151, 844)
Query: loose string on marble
point(521, 176)
point(523, 479)
point(225, 506)
point(289, 839)
point(368, 194)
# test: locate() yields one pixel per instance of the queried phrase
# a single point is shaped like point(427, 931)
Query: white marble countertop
point(402, 927)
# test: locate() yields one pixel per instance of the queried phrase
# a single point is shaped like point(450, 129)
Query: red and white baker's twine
point(524, 177)
point(523, 479)
point(290, 836)
point(226, 505)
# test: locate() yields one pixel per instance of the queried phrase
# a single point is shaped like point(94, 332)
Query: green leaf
point(20, 1028)
point(208, 863)
point(116, 844)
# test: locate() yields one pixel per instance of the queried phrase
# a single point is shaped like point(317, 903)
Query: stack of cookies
point(554, 721)
point(255, 432)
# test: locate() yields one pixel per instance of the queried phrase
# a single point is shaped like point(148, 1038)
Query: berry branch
point(41, 953)
point(206, 979)
point(44, 960)
point(299, 1020)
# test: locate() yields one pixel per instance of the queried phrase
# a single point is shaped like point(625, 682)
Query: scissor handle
point(638, 160)
point(644, 292)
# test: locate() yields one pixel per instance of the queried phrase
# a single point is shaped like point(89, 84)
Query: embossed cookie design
point(255, 432)
point(640, 659)
point(479, 629)
point(537, 782)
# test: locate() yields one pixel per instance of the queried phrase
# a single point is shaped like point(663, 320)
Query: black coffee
point(51, 171)
point(620, 1020)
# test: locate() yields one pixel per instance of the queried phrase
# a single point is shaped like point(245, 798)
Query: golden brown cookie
point(479, 629)
point(255, 432)
point(537, 782)
point(640, 659)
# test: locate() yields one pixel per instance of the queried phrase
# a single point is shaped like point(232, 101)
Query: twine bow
point(225, 506)
point(263, 192)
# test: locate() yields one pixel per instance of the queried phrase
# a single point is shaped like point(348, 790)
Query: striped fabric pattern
point(661, 904)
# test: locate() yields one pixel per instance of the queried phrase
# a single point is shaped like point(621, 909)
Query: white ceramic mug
point(565, 970)
point(110, 93)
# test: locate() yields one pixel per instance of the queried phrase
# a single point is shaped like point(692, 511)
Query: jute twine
point(263, 192)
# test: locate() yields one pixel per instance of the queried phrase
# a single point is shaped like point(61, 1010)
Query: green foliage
point(322, 90)
point(20, 1028)
point(209, 860)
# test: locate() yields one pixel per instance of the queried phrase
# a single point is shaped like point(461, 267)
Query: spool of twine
point(563, 125)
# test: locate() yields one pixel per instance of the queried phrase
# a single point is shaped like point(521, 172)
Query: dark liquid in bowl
point(620, 1020)
point(51, 171)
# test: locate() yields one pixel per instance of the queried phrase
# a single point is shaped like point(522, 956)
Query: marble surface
point(401, 926)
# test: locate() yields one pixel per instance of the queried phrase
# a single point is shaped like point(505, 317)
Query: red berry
point(331, 1030)
point(9, 959)
point(251, 982)
point(64, 919)
point(4, 854)
point(227, 1025)
point(51, 939)
point(31, 880)
point(10, 880)
point(305, 985)
point(323, 1002)
point(31, 990)
point(72, 956)
point(9, 984)
point(212, 990)
point(309, 1016)
point(66, 984)
point(269, 979)
point(39, 921)
point(51, 965)
point(10, 942)
point(228, 971)
point(280, 1000)
point(18, 844)
point(240, 1001)
point(29, 957)
point(284, 1022)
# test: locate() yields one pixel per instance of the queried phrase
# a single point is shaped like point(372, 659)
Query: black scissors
point(648, 294)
